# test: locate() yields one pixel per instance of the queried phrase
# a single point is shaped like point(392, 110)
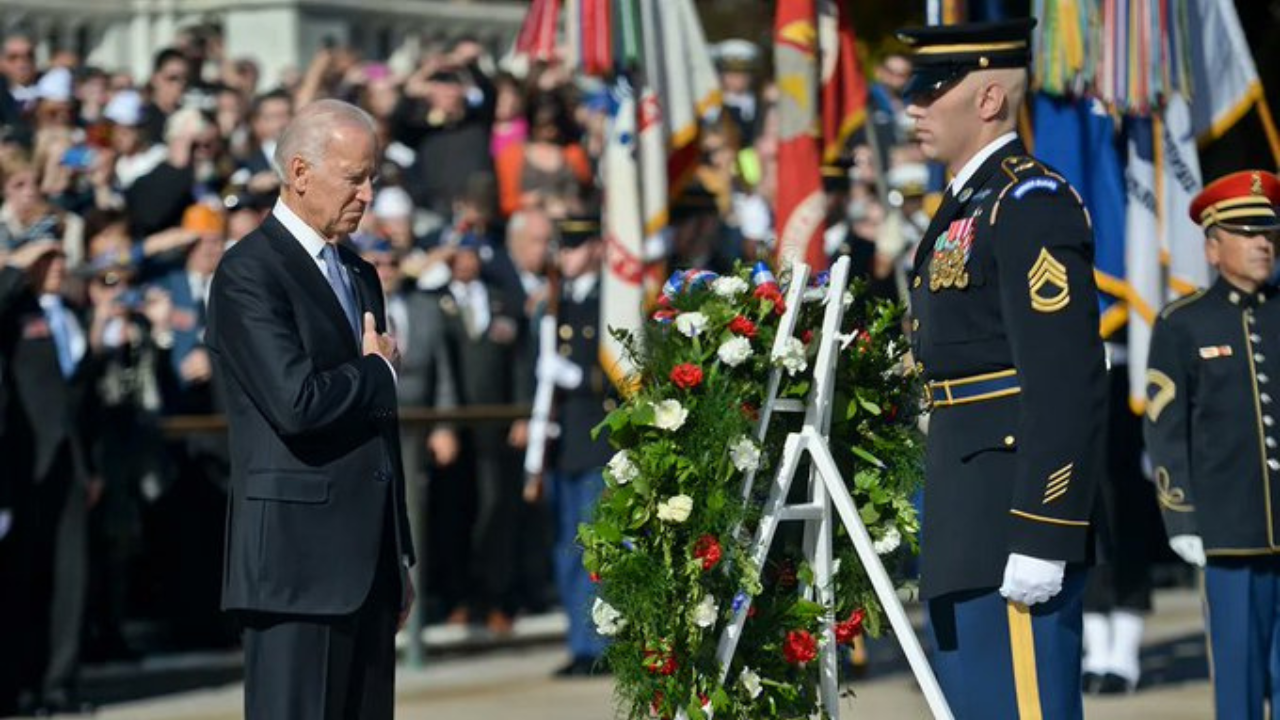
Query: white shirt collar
point(962, 178)
point(580, 287)
point(311, 240)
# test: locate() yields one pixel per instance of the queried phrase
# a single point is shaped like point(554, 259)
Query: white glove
point(6, 522)
point(564, 373)
point(1029, 580)
point(1189, 547)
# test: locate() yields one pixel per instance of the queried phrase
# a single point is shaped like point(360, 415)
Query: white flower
point(704, 615)
point(729, 287)
point(608, 620)
point(675, 509)
point(621, 469)
point(691, 323)
point(744, 454)
point(669, 415)
point(750, 682)
point(848, 299)
point(888, 542)
point(734, 351)
point(791, 356)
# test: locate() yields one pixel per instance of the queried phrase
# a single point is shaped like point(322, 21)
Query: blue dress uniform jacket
point(1210, 419)
point(1005, 330)
point(580, 409)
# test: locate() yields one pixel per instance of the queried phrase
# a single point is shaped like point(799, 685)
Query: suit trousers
point(996, 659)
point(1243, 597)
point(51, 558)
point(573, 497)
point(308, 667)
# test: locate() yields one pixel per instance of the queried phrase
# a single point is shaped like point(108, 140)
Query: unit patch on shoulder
point(1048, 281)
point(1036, 184)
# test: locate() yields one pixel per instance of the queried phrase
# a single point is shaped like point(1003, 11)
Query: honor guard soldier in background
point(1211, 432)
point(574, 462)
point(1005, 329)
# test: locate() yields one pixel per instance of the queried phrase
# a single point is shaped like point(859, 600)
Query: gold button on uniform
point(915, 324)
point(610, 405)
point(916, 283)
point(566, 333)
point(588, 332)
point(565, 351)
point(1009, 441)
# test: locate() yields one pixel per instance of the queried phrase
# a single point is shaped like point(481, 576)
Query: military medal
point(951, 255)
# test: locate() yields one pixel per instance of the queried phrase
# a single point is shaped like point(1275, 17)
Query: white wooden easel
point(827, 489)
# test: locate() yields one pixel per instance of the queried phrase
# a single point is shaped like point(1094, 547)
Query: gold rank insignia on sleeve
point(1058, 483)
point(1165, 390)
point(1171, 498)
point(1048, 280)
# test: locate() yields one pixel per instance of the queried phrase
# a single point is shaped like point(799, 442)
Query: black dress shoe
point(1091, 683)
point(1113, 684)
point(581, 667)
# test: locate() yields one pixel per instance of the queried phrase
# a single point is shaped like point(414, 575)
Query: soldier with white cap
point(738, 62)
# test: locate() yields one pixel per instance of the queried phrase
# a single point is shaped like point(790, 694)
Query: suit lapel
point(303, 268)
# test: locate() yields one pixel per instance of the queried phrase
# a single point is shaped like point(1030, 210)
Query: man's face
point(894, 72)
point(1246, 259)
point(273, 115)
point(336, 191)
point(19, 61)
point(170, 82)
point(206, 253)
point(466, 265)
point(946, 121)
point(529, 246)
point(388, 267)
point(578, 261)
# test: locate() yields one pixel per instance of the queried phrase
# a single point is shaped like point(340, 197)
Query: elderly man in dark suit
point(318, 545)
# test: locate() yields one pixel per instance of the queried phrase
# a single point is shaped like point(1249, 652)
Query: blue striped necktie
point(338, 281)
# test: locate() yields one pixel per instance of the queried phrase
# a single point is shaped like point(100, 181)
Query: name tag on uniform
point(1212, 352)
point(36, 328)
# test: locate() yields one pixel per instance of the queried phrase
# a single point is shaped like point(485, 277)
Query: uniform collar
point(1240, 298)
point(966, 173)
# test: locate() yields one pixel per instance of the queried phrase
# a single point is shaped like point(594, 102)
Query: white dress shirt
point(313, 243)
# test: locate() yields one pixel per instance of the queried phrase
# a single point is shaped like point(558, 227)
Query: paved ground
point(514, 683)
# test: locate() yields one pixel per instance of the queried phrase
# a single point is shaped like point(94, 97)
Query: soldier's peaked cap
point(944, 54)
point(1242, 201)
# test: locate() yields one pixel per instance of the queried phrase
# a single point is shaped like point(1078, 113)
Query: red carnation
point(686, 376)
point(742, 326)
point(593, 577)
point(751, 611)
point(891, 412)
point(773, 295)
point(864, 341)
point(800, 647)
point(665, 316)
point(659, 663)
point(806, 337)
point(707, 549)
point(750, 411)
point(847, 630)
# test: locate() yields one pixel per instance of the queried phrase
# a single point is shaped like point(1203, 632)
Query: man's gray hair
point(307, 135)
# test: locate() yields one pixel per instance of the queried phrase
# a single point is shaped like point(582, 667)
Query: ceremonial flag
point(1229, 112)
point(691, 89)
point(597, 37)
point(1181, 239)
point(654, 198)
point(1142, 251)
point(844, 87)
point(622, 290)
point(801, 206)
point(537, 38)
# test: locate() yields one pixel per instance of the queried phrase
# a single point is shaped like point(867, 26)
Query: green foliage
point(677, 489)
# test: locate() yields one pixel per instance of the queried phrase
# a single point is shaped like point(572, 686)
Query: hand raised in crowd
point(379, 344)
point(174, 238)
point(264, 182)
point(442, 443)
point(26, 255)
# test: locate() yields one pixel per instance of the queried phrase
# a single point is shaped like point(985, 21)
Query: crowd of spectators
point(118, 196)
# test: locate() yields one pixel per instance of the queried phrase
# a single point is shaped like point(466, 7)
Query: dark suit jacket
point(315, 450)
point(43, 410)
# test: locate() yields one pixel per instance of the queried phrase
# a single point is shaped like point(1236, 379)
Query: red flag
point(844, 88)
point(597, 46)
point(537, 37)
point(801, 205)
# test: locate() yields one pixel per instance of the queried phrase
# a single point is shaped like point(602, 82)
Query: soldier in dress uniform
point(1212, 436)
point(1005, 330)
point(575, 461)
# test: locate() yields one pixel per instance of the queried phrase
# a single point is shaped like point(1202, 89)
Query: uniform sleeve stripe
point(1049, 520)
